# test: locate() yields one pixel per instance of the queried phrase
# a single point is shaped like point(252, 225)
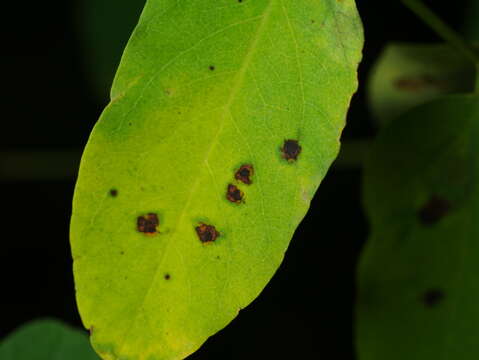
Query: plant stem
point(442, 29)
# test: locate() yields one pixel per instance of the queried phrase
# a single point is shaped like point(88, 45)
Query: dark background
point(50, 102)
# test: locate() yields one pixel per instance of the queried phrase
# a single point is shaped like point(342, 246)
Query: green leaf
point(46, 340)
point(418, 292)
point(170, 241)
point(407, 75)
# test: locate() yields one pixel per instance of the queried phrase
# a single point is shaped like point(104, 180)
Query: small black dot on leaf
point(212, 68)
point(113, 192)
point(167, 276)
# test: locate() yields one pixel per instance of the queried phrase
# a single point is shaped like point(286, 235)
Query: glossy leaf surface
point(225, 116)
point(406, 75)
point(46, 340)
point(419, 293)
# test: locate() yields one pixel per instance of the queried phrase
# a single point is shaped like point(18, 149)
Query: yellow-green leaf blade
point(204, 88)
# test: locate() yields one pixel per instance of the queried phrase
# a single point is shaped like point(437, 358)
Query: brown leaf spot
point(167, 276)
point(148, 224)
point(291, 150)
point(244, 174)
point(212, 68)
point(207, 233)
point(433, 297)
point(418, 83)
point(234, 194)
point(113, 192)
point(434, 210)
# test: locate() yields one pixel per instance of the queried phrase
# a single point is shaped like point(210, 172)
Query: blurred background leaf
point(418, 289)
point(47, 339)
point(408, 74)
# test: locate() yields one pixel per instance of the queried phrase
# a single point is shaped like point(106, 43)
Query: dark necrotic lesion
point(434, 210)
point(433, 297)
point(244, 174)
point(291, 150)
point(234, 194)
point(207, 233)
point(148, 223)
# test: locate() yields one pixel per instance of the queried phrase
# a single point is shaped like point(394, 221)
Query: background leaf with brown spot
point(171, 141)
point(418, 289)
point(406, 75)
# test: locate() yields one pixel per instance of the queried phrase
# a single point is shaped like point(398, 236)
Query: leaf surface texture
point(169, 243)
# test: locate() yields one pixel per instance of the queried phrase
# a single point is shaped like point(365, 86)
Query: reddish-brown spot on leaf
point(148, 224)
point(434, 210)
point(418, 83)
point(244, 174)
point(207, 233)
point(291, 150)
point(234, 194)
point(113, 192)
